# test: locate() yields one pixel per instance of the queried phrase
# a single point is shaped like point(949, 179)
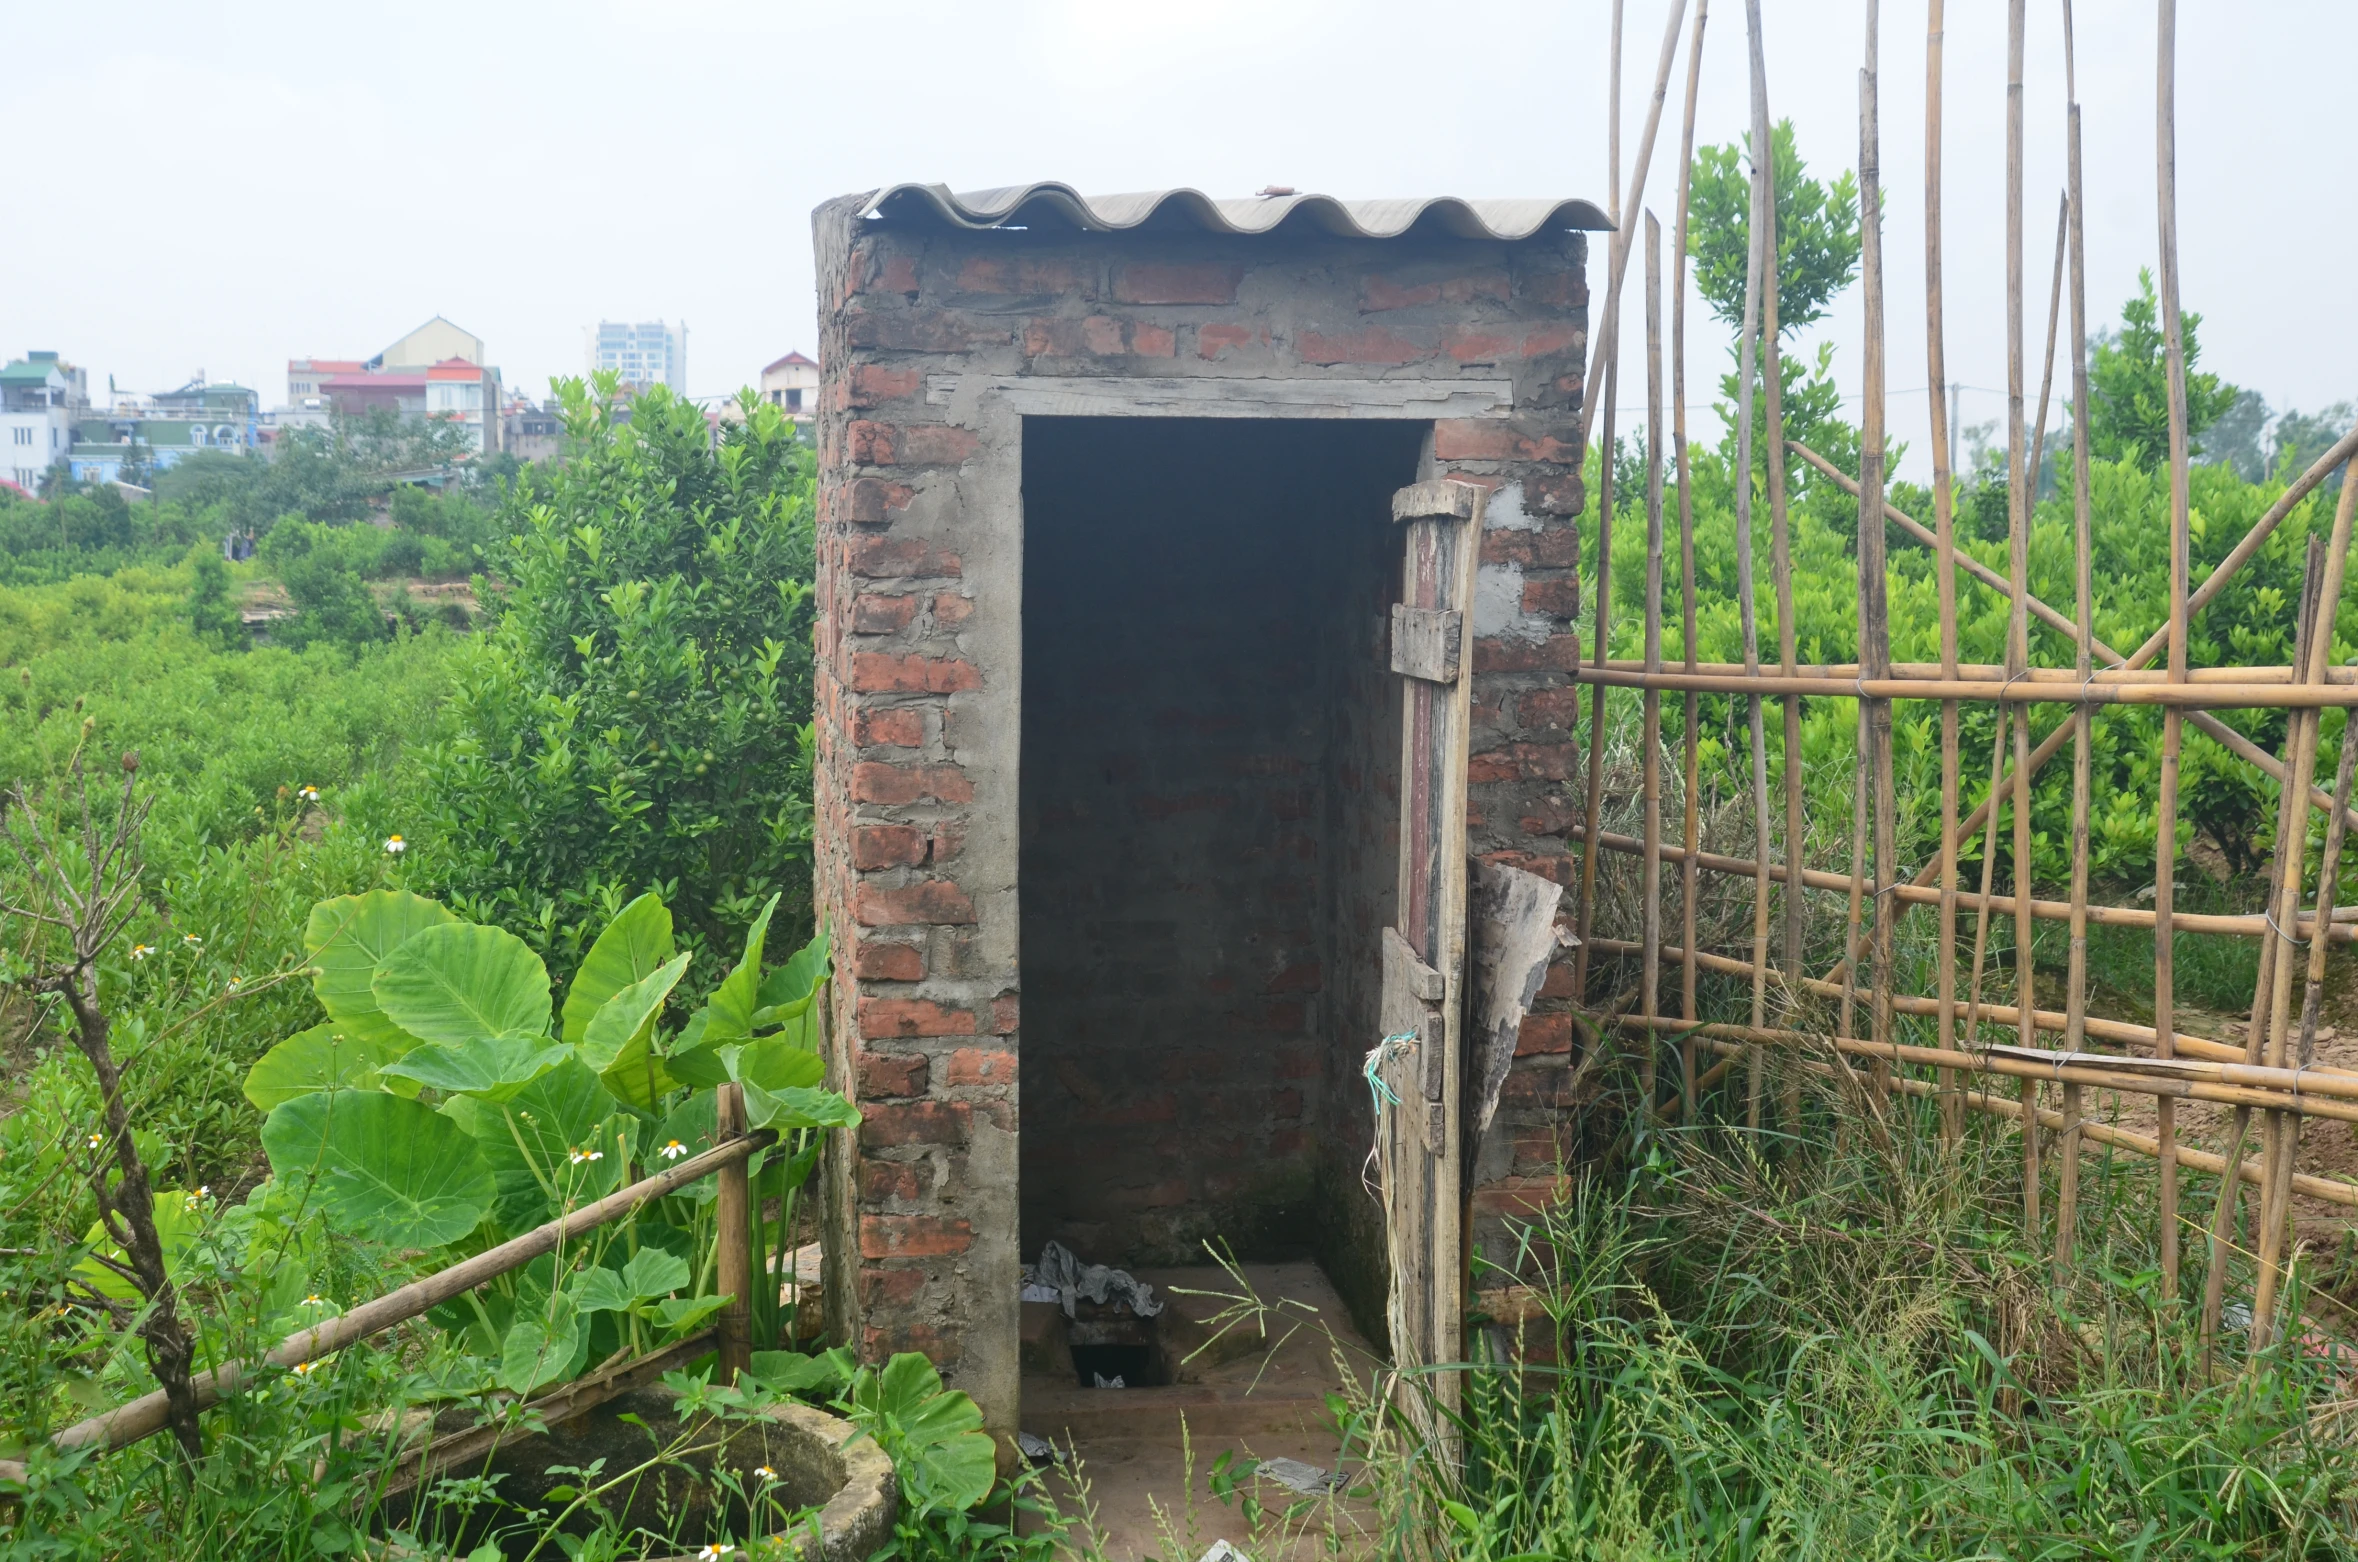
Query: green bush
point(639, 718)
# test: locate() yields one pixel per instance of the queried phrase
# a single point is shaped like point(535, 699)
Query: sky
point(230, 186)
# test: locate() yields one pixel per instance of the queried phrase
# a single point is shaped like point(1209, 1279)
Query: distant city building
point(154, 433)
point(435, 371)
point(644, 354)
point(792, 385)
point(41, 396)
point(530, 433)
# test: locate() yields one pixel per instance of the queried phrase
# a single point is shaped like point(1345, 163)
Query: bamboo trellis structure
point(2057, 1054)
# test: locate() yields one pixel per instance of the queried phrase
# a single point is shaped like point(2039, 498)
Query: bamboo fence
point(2064, 1061)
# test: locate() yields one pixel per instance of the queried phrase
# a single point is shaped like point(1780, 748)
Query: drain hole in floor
point(1138, 1366)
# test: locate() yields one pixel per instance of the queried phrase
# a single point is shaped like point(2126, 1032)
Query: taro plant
point(449, 1102)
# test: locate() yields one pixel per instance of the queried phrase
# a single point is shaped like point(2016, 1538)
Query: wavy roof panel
point(1049, 204)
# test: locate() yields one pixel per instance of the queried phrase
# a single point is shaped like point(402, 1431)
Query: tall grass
point(1849, 1350)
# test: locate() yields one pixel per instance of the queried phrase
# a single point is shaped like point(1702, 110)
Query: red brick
point(886, 1124)
point(880, 615)
point(1102, 334)
point(912, 1017)
point(913, 1236)
point(1213, 340)
point(951, 609)
point(1518, 1198)
point(1554, 493)
point(879, 781)
point(889, 558)
point(872, 385)
point(1006, 1012)
point(891, 1074)
point(1556, 653)
point(1523, 762)
point(881, 672)
point(1560, 598)
point(935, 901)
point(887, 846)
point(1555, 866)
point(1377, 294)
point(920, 444)
point(914, 331)
point(1558, 983)
point(890, 1288)
point(1565, 289)
point(1053, 338)
point(948, 841)
point(1496, 439)
point(1007, 275)
point(888, 962)
point(1305, 976)
point(1551, 707)
point(883, 1180)
point(1196, 282)
point(1546, 547)
point(896, 274)
point(881, 1342)
point(1153, 341)
point(900, 726)
point(1543, 1034)
point(981, 1066)
point(1372, 344)
point(872, 501)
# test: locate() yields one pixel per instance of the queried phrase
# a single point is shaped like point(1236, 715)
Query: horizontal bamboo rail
point(2344, 928)
point(2021, 691)
point(2296, 1084)
point(141, 1417)
point(2107, 677)
point(2329, 1189)
point(2092, 1070)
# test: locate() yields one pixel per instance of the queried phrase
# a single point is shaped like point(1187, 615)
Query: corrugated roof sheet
point(1060, 205)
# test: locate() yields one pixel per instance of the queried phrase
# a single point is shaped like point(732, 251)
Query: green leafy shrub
point(639, 718)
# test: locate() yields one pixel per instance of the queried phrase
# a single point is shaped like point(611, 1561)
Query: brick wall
point(920, 708)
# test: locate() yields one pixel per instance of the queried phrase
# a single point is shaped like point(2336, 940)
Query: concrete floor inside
point(1252, 1385)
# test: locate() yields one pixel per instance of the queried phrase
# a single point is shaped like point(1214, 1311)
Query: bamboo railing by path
point(2067, 1058)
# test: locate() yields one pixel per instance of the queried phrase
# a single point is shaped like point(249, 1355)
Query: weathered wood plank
point(1425, 643)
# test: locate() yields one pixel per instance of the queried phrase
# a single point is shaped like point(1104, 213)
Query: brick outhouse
point(1109, 733)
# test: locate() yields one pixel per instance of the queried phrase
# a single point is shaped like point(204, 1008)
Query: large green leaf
point(347, 938)
point(634, 946)
point(947, 1458)
point(637, 1076)
point(786, 993)
point(460, 981)
point(600, 1290)
point(539, 1141)
point(387, 1168)
point(492, 1066)
point(776, 1065)
point(653, 1272)
point(739, 993)
point(541, 1346)
point(325, 1057)
point(178, 1224)
point(693, 1126)
point(798, 1107)
point(625, 1016)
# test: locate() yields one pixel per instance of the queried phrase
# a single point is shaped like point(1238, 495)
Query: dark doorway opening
point(1209, 785)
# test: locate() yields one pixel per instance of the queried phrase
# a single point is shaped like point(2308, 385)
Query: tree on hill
point(1817, 231)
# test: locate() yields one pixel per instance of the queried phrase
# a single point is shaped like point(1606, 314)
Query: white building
point(792, 386)
point(646, 353)
point(40, 397)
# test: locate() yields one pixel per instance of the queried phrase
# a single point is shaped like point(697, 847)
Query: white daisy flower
point(142, 951)
point(673, 1151)
point(395, 845)
point(309, 794)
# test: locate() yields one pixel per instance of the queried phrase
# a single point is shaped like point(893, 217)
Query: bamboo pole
point(2283, 680)
point(2008, 691)
point(732, 1218)
point(1772, 387)
point(2282, 1130)
point(1944, 556)
point(1607, 353)
point(1874, 587)
point(1758, 260)
point(1652, 739)
point(2082, 769)
point(1690, 881)
point(2018, 572)
point(127, 1423)
point(2286, 869)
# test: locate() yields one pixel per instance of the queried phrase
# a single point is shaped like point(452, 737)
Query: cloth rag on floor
point(1059, 1271)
